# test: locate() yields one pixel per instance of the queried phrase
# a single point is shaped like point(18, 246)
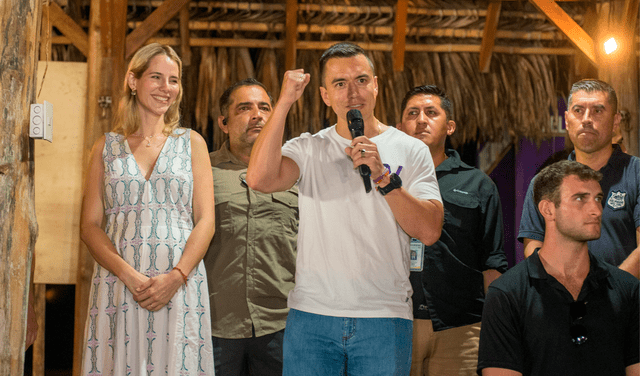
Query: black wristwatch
point(396, 182)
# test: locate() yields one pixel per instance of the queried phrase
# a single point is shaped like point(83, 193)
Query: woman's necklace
point(147, 138)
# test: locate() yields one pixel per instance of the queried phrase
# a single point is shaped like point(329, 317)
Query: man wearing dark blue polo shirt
point(591, 119)
point(449, 278)
point(562, 311)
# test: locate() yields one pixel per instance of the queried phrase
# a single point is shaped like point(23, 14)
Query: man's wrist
point(380, 179)
point(386, 180)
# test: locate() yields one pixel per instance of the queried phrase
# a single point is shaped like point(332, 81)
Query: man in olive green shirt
point(251, 260)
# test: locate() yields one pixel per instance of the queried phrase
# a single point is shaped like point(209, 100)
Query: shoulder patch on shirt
point(616, 199)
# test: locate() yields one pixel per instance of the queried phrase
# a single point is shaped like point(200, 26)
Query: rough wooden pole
point(20, 25)
point(97, 48)
point(40, 290)
point(619, 68)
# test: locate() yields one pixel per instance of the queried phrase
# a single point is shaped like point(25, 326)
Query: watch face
point(395, 182)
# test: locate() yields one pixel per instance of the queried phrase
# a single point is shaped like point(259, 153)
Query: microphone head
point(353, 115)
point(355, 122)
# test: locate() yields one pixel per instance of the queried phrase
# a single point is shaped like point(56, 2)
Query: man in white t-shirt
point(350, 310)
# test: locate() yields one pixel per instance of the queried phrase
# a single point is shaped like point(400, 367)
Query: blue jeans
point(327, 346)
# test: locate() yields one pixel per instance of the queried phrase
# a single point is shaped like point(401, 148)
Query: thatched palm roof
point(529, 70)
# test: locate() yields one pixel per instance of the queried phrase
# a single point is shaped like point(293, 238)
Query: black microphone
point(356, 127)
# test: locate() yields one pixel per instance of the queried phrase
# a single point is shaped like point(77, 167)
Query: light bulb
point(610, 45)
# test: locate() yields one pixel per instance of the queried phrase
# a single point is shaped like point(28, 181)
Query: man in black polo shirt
point(448, 290)
point(563, 311)
point(592, 118)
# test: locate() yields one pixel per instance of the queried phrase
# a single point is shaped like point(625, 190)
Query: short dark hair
point(342, 49)
point(589, 85)
point(548, 181)
point(225, 98)
point(445, 102)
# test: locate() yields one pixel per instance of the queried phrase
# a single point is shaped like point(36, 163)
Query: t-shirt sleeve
point(500, 338)
point(293, 149)
point(422, 182)
point(531, 222)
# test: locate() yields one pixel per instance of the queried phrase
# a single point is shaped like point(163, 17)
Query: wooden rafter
point(291, 34)
point(489, 35)
point(152, 24)
point(568, 26)
point(67, 26)
point(399, 37)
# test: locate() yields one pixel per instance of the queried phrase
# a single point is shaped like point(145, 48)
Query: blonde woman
point(150, 183)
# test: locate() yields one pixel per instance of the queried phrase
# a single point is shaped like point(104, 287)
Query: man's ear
point(325, 96)
point(222, 124)
point(617, 119)
point(548, 210)
point(451, 127)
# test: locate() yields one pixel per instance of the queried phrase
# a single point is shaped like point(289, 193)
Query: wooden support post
point(185, 44)
point(489, 35)
point(20, 25)
point(291, 27)
point(630, 15)
point(40, 291)
point(399, 36)
point(568, 26)
point(620, 68)
point(118, 56)
point(99, 81)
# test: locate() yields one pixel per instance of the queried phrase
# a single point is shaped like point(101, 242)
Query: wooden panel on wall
point(58, 173)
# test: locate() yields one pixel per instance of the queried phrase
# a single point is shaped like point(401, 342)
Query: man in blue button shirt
point(591, 118)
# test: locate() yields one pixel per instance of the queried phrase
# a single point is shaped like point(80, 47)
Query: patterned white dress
point(149, 222)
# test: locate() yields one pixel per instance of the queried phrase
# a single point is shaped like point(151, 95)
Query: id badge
point(417, 255)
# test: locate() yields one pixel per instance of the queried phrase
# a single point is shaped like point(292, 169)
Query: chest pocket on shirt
point(461, 215)
point(224, 213)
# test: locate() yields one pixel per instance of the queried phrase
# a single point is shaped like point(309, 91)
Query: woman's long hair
point(127, 120)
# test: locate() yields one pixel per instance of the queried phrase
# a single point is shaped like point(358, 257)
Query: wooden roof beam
point(489, 35)
point(152, 24)
point(67, 26)
point(400, 35)
point(568, 26)
point(291, 34)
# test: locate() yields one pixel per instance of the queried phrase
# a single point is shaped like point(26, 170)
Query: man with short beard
point(251, 260)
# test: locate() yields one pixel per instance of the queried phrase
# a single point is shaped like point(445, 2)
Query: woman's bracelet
point(184, 276)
